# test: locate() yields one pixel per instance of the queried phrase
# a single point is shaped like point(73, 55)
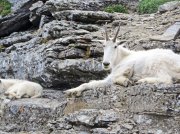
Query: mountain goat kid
point(20, 88)
point(151, 66)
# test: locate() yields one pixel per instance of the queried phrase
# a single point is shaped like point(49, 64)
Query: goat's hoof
point(124, 83)
point(70, 93)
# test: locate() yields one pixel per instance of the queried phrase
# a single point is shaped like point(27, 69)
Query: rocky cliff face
point(55, 43)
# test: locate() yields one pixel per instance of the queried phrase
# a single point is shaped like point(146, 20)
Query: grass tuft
point(150, 6)
point(116, 8)
point(5, 7)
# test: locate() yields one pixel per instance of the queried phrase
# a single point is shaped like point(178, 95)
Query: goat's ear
point(121, 42)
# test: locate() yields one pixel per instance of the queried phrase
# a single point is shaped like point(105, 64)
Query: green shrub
point(116, 8)
point(150, 6)
point(5, 7)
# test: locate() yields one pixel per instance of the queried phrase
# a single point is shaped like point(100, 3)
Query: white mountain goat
point(152, 66)
point(20, 88)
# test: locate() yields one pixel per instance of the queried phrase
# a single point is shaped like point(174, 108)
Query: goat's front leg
point(123, 81)
point(76, 91)
point(122, 75)
point(153, 80)
point(86, 86)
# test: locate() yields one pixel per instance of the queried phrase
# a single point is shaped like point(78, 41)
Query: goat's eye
point(115, 46)
point(103, 45)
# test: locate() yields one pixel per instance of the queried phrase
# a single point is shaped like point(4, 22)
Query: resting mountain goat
point(20, 88)
point(152, 66)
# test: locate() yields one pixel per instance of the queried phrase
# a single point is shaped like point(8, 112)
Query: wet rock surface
point(63, 51)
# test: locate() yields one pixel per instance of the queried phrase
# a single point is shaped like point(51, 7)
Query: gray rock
point(89, 5)
point(156, 122)
point(36, 5)
point(117, 22)
point(19, 20)
point(102, 131)
point(169, 6)
point(20, 61)
point(107, 116)
point(78, 67)
point(128, 126)
point(14, 56)
point(59, 124)
point(3, 132)
point(84, 16)
point(44, 19)
point(72, 53)
point(16, 39)
point(90, 28)
point(17, 4)
point(44, 10)
point(57, 29)
point(170, 34)
point(30, 112)
point(34, 17)
point(93, 117)
point(14, 23)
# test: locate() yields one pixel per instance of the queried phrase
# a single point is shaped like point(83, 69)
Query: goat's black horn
point(107, 38)
point(114, 39)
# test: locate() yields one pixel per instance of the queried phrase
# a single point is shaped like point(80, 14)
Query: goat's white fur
point(20, 88)
point(151, 66)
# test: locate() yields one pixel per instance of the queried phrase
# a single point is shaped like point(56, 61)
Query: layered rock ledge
point(111, 109)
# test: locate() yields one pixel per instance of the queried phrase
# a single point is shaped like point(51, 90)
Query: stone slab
point(170, 34)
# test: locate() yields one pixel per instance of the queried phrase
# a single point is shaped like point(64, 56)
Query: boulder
point(22, 19)
point(30, 114)
point(54, 64)
point(35, 18)
point(89, 5)
point(93, 117)
point(19, 4)
point(84, 16)
point(168, 6)
point(14, 23)
point(16, 38)
point(170, 34)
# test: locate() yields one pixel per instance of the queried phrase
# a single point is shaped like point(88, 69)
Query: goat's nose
point(106, 63)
